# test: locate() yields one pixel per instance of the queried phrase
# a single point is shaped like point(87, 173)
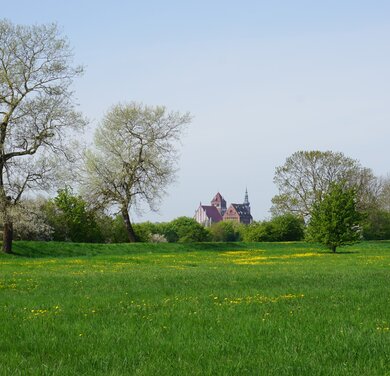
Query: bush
point(157, 238)
point(377, 226)
point(286, 227)
point(30, 221)
point(185, 230)
point(259, 232)
point(71, 219)
point(143, 231)
point(226, 231)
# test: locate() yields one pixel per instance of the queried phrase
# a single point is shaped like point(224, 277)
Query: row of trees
point(68, 217)
point(133, 157)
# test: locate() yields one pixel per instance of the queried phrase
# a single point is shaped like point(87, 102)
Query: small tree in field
point(134, 158)
point(335, 220)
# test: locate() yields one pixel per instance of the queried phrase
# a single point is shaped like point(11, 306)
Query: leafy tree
point(113, 229)
point(384, 196)
point(185, 230)
point(377, 222)
point(144, 231)
point(226, 231)
point(36, 113)
point(71, 219)
point(307, 175)
point(335, 221)
point(134, 158)
point(376, 226)
point(260, 232)
point(288, 227)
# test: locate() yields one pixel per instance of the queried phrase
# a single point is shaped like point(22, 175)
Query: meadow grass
point(198, 309)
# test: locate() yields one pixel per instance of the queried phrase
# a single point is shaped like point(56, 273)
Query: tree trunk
point(8, 234)
point(333, 248)
point(129, 227)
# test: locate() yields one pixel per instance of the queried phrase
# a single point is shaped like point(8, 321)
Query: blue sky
point(262, 79)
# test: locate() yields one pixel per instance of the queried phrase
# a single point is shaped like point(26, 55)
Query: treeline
point(68, 217)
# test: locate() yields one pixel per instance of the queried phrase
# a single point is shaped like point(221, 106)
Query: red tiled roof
point(212, 212)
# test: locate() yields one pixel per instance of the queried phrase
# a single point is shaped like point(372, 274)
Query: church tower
point(219, 202)
point(246, 200)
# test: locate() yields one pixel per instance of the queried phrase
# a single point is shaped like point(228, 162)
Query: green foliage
point(286, 227)
point(185, 230)
point(71, 219)
point(226, 231)
point(335, 220)
point(143, 231)
point(259, 232)
point(377, 225)
point(114, 230)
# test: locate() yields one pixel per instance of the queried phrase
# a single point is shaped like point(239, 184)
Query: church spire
point(246, 200)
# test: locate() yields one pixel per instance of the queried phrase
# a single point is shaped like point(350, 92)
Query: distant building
point(217, 211)
point(219, 202)
point(207, 215)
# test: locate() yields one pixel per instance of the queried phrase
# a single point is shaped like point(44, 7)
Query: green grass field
point(201, 309)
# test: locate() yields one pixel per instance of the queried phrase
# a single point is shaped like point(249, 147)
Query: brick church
point(218, 211)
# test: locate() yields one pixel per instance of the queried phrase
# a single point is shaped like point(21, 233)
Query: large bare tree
point(306, 176)
point(36, 112)
point(134, 157)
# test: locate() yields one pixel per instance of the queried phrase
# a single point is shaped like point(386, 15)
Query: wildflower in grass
point(253, 260)
point(259, 299)
point(383, 327)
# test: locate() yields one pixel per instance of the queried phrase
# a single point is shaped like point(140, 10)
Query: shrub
point(226, 231)
point(377, 225)
point(30, 221)
point(286, 227)
point(185, 230)
point(157, 238)
point(71, 219)
point(259, 232)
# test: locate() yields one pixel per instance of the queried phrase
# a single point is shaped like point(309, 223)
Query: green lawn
point(211, 309)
